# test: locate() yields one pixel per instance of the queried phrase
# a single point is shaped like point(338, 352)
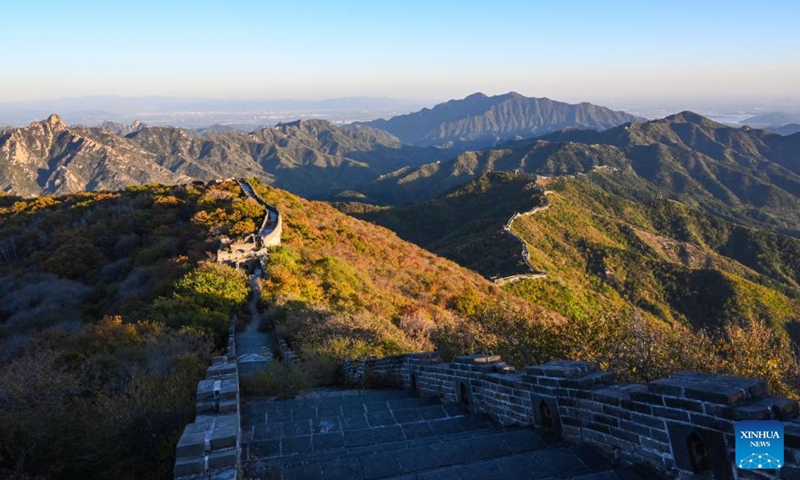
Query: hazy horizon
point(570, 51)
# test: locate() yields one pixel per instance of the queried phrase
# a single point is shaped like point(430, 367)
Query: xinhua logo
point(759, 444)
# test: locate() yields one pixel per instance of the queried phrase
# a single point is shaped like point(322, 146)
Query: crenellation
point(684, 404)
point(210, 447)
point(639, 423)
point(647, 397)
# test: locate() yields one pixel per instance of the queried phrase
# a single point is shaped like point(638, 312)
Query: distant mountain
point(479, 121)
point(215, 129)
point(313, 158)
point(247, 114)
point(120, 128)
point(49, 157)
point(744, 175)
point(788, 129)
point(771, 119)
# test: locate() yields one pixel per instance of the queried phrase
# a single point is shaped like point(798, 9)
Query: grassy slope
point(671, 261)
point(465, 225)
point(604, 253)
point(91, 392)
point(339, 279)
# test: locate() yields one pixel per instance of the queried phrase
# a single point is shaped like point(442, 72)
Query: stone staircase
point(372, 434)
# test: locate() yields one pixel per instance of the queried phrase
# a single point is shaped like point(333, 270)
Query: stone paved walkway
point(253, 347)
point(351, 434)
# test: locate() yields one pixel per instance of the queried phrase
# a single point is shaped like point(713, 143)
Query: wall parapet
point(272, 225)
point(211, 446)
point(681, 425)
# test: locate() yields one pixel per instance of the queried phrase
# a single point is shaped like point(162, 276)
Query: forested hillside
point(618, 268)
point(110, 313)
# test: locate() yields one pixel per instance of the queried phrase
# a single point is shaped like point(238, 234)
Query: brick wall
point(272, 218)
point(680, 425)
point(210, 447)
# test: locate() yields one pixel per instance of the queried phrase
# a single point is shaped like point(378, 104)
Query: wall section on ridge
point(682, 425)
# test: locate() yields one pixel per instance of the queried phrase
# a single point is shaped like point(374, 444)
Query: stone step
point(355, 401)
point(522, 466)
point(369, 412)
point(291, 455)
point(265, 422)
point(501, 453)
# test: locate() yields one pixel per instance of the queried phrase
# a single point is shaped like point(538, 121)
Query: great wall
point(211, 446)
point(535, 274)
point(476, 417)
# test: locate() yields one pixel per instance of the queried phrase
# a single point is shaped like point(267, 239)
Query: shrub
point(277, 380)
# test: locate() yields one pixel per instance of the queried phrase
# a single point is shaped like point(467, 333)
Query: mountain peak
point(476, 96)
point(55, 122)
point(478, 121)
point(689, 117)
point(513, 95)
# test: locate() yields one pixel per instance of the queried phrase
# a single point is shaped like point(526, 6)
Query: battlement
point(210, 447)
point(682, 425)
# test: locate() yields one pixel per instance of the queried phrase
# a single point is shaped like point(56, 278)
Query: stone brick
point(218, 360)
point(191, 445)
point(206, 389)
point(653, 458)
point(625, 435)
point(670, 413)
point(684, 404)
point(616, 412)
point(583, 394)
point(590, 380)
point(654, 445)
point(659, 435)
point(647, 397)
point(223, 459)
point(636, 407)
point(614, 394)
point(223, 437)
point(228, 407)
point(206, 407)
point(634, 428)
point(563, 369)
point(570, 431)
point(720, 389)
point(597, 427)
point(185, 467)
point(648, 420)
point(590, 406)
point(621, 443)
point(229, 392)
point(216, 371)
point(476, 359)
point(614, 422)
point(594, 436)
point(711, 422)
point(549, 381)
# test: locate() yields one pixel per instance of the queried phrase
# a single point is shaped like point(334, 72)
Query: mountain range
point(567, 231)
point(593, 251)
point(478, 121)
point(744, 175)
point(313, 158)
point(771, 119)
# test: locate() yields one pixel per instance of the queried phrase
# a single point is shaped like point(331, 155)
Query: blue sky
point(568, 50)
